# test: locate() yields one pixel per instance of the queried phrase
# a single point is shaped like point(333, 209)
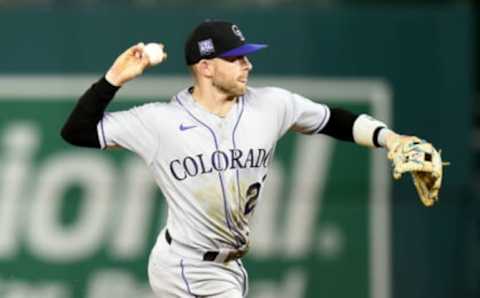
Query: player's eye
point(233, 59)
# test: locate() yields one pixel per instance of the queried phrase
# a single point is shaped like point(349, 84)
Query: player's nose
point(246, 63)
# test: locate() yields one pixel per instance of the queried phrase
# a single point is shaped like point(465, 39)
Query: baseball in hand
point(155, 53)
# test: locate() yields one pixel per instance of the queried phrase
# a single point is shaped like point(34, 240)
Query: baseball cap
point(213, 39)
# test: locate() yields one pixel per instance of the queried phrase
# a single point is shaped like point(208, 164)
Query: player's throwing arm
point(80, 128)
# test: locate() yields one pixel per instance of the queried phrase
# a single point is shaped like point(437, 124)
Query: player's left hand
point(422, 161)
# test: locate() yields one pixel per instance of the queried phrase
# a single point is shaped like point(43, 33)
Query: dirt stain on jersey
point(210, 199)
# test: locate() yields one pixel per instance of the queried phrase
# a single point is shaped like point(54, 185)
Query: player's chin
point(241, 87)
point(237, 90)
point(240, 91)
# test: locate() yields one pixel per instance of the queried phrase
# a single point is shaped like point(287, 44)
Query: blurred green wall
point(425, 54)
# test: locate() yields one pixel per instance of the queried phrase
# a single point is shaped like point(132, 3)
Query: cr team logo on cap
point(237, 32)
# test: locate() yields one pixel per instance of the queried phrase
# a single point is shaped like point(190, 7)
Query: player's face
point(231, 75)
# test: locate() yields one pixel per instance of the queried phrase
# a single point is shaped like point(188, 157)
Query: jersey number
point(253, 192)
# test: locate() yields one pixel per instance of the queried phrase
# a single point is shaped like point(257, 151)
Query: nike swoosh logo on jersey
point(185, 127)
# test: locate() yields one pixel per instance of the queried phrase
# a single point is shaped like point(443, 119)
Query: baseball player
point(209, 149)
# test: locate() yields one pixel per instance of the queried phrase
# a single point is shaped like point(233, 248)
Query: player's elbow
point(68, 135)
point(80, 136)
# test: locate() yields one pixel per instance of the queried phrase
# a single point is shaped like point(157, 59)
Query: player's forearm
point(80, 129)
point(361, 129)
point(340, 124)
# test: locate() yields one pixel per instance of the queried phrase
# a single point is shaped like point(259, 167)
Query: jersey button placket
point(223, 132)
point(225, 136)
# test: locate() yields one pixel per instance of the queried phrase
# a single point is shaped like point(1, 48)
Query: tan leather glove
point(422, 161)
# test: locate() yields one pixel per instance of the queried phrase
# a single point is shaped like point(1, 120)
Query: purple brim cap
point(244, 50)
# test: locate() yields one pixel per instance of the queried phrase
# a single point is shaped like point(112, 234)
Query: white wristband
point(381, 136)
point(368, 131)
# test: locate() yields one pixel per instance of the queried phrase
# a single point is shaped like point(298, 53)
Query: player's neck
point(213, 101)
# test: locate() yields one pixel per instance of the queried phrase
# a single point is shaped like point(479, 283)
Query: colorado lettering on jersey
point(191, 166)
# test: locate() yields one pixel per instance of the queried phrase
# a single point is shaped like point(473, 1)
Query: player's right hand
point(129, 65)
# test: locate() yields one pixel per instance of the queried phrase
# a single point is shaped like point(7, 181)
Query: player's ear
point(205, 68)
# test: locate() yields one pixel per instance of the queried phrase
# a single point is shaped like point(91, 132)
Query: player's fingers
point(145, 61)
point(137, 50)
point(135, 47)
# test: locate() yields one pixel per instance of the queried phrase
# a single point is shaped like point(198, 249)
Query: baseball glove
point(423, 162)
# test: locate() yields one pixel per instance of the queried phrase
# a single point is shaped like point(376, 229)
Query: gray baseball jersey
point(211, 169)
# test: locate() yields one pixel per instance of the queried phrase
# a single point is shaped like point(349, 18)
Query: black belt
point(208, 256)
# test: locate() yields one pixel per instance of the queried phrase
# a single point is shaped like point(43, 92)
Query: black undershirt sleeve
point(80, 129)
point(340, 125)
